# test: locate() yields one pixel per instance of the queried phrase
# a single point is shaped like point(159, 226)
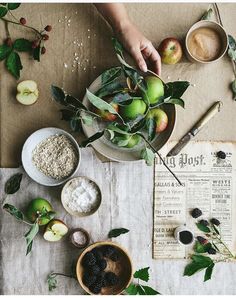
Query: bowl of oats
point(51, 156)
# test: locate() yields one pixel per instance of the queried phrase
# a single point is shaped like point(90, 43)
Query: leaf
point(75, 102)
point(4, 51)
point(131, 290)
point(142, 274)
point(13, 6)
point(122, 98)
point(208, 272)
point(87, 119)
point(175, 101)
point(232, 54)
point(140, 290)
point(52, 282)
point(13, 64)
point(117, 232)
point(149, 291)
point(135, 122)
point(111, 88)
point(232, 42)
point(117, 129)
point(121, 141)
point(148, 156)
point(14, 211)
point(198, 247)
point(192, 268)
point(29, 236)
point(93, 138)
point(117, 46)
point(100, 103)
point(110, 74)
point(3, 11)
point(37, 53)
point(216, 230)
point(176, 89)
point(67, 115)
point(203, 228)
point(208, 14)
point(48, 215)
point(13, 184)
point(22, 45)
point(58, 94)
point(151, 128)
point(203, 260)
point(233, 88)
point(75, 124)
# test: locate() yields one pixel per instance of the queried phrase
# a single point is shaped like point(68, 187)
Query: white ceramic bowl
point(26, 156)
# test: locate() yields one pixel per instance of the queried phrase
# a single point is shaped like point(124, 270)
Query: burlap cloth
point(124, 204)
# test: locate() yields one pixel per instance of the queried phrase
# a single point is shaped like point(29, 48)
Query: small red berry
point(43, 50)
point(45, 37)
point(34, 44)
point(8, 42)
point(48, 28)
point(22, 21)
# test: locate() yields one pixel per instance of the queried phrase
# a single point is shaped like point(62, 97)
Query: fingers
point(151, 54)
point(137, 55)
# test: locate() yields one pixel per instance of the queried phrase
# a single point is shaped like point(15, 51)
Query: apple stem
point(163, 161)
point(54, 274)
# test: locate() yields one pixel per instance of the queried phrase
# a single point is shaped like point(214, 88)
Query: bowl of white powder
point(51, 156)
point(81, 196)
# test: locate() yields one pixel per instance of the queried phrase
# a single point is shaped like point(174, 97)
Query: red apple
point(170, 50)
point(160, 117)
point(107, 116)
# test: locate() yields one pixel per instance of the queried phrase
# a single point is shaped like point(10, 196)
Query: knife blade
point(214, 109)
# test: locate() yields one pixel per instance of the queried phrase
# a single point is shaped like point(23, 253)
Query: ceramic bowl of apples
point(135, 112)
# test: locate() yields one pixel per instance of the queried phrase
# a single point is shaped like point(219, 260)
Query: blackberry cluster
point(94, 263)
point(221, 154)
point(202, 240)
point(215, 221)
point(204, 222)
point(196, 213)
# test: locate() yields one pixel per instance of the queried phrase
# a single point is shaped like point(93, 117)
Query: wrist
point(121, 26)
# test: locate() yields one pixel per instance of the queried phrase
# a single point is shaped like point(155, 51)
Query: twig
point(161, 158)
point(218, 13)
point(7, 29)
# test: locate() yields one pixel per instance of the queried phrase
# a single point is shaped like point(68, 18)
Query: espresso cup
point(221, 34)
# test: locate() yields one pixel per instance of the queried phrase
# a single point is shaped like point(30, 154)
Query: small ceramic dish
point(74, 181)
point(122, 268)
point(215, 27)
point(30, 144)
point(83, 236)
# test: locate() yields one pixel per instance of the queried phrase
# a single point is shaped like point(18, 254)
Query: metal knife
point(214, 109)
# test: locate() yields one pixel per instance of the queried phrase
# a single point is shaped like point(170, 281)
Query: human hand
point(139, 47)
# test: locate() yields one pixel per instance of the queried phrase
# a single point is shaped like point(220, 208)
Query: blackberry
point(202, 240)
point(108, 251)
point(95, 288)
point(89, 279)
point(88, 259)
point(115, 256)
point(94, 270)
point(196, 213)
point(102, 264)
point(111, 279)
point(221, 154)
point(215, 221)
point(97, 253)
point(204, 222)
point(211, 251)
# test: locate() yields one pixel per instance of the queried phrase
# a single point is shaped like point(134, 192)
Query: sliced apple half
point(55, 230)
point(27, 92)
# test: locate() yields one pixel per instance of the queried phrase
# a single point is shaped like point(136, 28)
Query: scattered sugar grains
point(55, 157)
point(81, 195)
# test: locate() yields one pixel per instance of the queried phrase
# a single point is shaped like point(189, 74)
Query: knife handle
point(214, 109)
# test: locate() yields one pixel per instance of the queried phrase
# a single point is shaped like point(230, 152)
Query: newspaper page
point(208, 184)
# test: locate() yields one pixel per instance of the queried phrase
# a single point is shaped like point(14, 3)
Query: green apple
point(160, 117)
point(131, 111)
point(155, 89)
point(27, 92)
point(107, 116)
point(55, 230)
point(35, 207)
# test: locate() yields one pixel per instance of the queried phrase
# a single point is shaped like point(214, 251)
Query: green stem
point(19, 24)
point(54, 274)
point(163, 161)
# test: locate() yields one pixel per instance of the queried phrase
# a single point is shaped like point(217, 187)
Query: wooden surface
point(127, 202)
point(157, 21)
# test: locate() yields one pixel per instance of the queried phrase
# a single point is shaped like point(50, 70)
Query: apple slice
point(27, 92)
point(55, 230)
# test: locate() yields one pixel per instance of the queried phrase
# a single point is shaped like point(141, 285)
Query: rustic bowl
point(123, 268)
point(26, 156)
point(80, 214)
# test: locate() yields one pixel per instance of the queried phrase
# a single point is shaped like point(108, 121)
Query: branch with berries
point(209, 244)
point(10, 49)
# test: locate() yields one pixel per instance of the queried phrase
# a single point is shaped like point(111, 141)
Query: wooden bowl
point(123, 268)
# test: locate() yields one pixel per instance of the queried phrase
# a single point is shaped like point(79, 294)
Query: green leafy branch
point(138, 288)
point(9, 51)
point(211, 244)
